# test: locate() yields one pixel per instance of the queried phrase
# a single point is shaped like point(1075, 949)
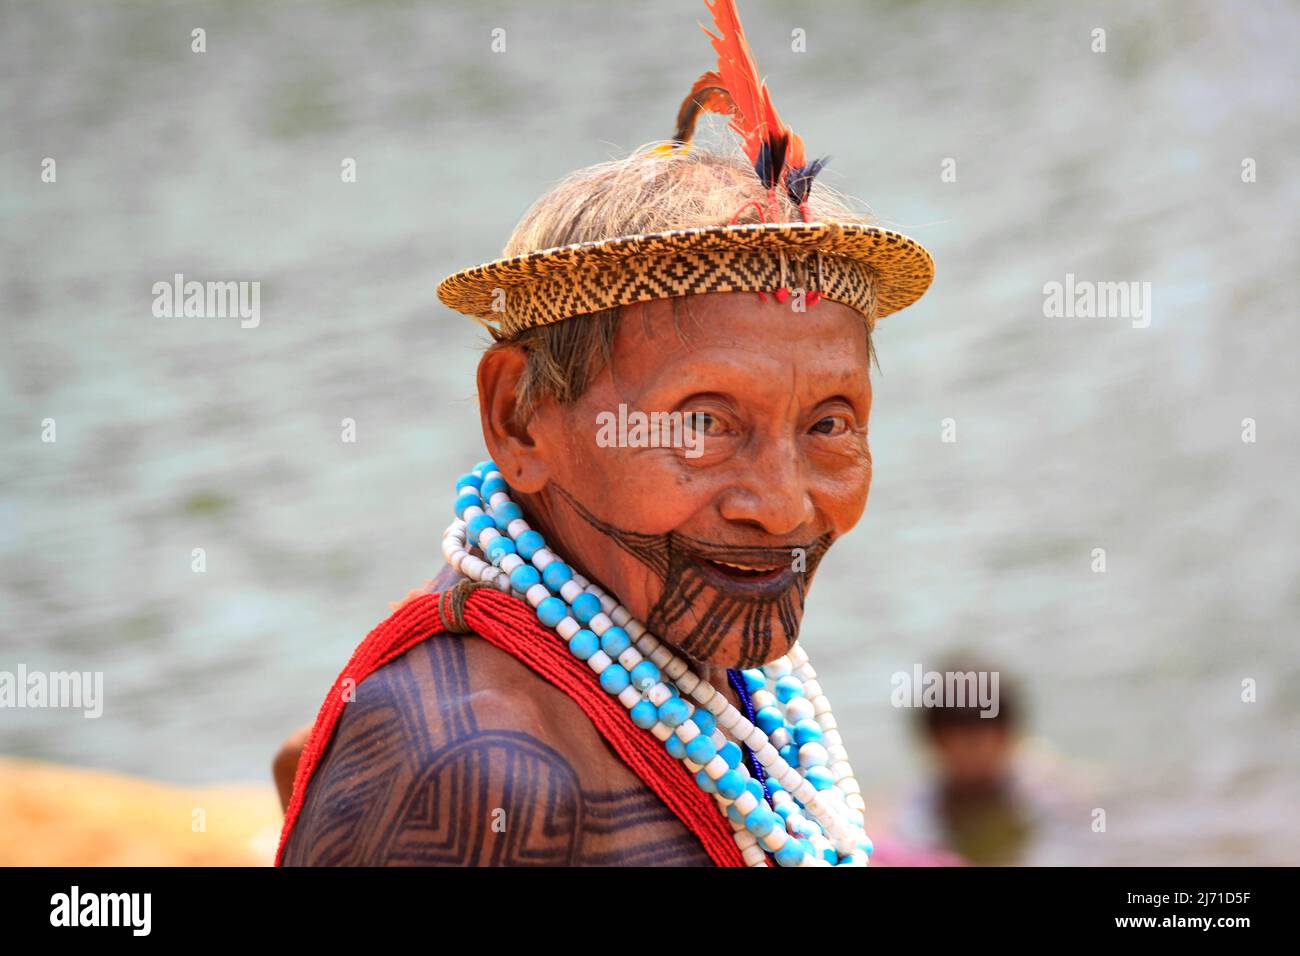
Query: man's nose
point(773, 493)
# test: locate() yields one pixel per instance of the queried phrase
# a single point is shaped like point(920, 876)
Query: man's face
point(713, 543)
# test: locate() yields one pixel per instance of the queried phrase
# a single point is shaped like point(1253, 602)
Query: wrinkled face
point(713, 540)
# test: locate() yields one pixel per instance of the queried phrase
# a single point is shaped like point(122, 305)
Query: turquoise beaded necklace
point(811, 811)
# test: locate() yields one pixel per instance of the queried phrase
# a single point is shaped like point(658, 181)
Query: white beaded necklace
point(815, 813)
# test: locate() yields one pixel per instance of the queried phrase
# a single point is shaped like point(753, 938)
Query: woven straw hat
point(873, 270)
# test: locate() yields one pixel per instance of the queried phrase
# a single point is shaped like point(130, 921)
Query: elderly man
point(607, 671)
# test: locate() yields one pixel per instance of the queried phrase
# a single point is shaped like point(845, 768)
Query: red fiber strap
point(511, 625)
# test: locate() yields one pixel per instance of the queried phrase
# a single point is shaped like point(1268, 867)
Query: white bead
point(779, 737)
point(849, 787)
point(752, 855)
point(812, 688)
point(675, 668)
point(742, 729)
point(746, 802)
point(660, 656)
point(658, 694)
point(630, 658)
point(473, 511)
point(762, 698)
point(567, 628)
point(791, 780)
point(599, 661)
point(629, 697)
point(537, 594)
point(517, 527)
point(841, 770)
point(542, 557)
point(498, 499)
point(775, 839)
point(781, 667)
point(832, 738)
point(797, 655)
point(620, 616)
point(473, 567)
point(805, 792)
point(487, 536)
point(828, 721)
point(662, 731)
point(765, 753)
point(719, 708)
point(837, 753)
point(687, 731)
point(704, 692)
point(570, 590)
point(716, 767)
point(799, 708)
point(687, 683)
point(600, 623)
point(607, 604)
point(812, 755)
point(511, 561)
point(635, 629)
point(821, 705)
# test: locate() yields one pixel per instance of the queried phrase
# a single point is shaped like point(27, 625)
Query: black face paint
point(767, 607)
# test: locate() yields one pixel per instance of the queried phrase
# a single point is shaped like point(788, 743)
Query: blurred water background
point(1073, 434)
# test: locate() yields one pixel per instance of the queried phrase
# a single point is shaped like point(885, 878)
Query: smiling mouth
point(753, 580)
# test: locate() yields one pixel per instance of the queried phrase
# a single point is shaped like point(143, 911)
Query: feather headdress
point(737, 90)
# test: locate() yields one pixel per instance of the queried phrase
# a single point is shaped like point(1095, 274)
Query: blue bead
point(673, 711)
point(730, 752)
point(865, 845)
point(790, 754)
point(773, 784)
point(528, 543)
point(788, 688)
point(524, 577)
point(676, 749)
point(477, 525)
point(819, 777)
point(806, 828)
point(644, 676)
point(769, 718)
point(469, 499)
point(756, 788)
point(785, 808)
point(761, 821)
point(645, 714)
point(585, 607)
point(731, 784)
point(706, 782)
point(701, 749)
point(754, 679)
point(614, 679)
point(807, 731)
point(790, 854)
point(830, 856)
point(491, 486)
point(484, 466)
point(584, 644)
point(615, 641)
point(734, 812)
point(506, 513)
point(469, 480)
point(705, 721)
point(556, 575)
point(498, 548)
point(552, 611)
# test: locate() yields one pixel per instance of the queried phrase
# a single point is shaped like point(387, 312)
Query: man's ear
point(509, 441)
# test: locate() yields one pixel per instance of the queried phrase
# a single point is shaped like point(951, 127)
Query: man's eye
point(830, 425)
point(704, 423)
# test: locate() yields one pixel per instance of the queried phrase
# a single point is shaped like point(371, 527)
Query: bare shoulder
point(457, 754)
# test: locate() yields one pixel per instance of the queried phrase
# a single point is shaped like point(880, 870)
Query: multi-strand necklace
point(808, 809)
